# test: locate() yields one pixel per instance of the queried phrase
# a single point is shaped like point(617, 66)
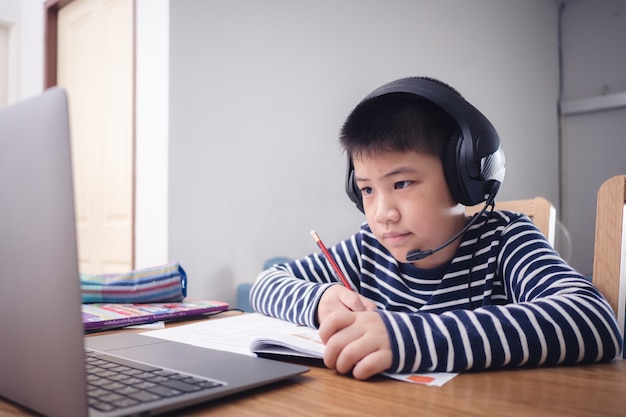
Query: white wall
point(152, 132)
point(259, 90)
point(30, 48)
point(26, 18)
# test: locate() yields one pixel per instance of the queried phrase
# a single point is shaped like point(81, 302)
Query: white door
point(96, 66)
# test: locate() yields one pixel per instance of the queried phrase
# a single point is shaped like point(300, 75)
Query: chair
point(538, 209)
point(609, 265)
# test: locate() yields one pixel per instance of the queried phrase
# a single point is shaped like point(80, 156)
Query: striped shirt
point(505, 299)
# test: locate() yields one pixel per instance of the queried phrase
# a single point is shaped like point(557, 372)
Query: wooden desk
point(597, 390)
point(585, 390)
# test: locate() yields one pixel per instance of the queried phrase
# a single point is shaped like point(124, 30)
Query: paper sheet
point(233, 334)
point(236, 334)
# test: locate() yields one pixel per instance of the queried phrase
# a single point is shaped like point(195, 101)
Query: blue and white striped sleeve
point(556, 317)
point(292, 291)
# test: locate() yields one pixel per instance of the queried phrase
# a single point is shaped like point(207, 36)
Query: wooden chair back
point(609, 258)
point(538, 209)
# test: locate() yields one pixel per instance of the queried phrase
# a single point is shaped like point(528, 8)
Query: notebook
point(101, 316)
point(42, 355)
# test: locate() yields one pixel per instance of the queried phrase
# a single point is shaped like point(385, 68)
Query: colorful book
point(99, 316)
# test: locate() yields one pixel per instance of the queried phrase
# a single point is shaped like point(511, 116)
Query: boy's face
point(408, 205)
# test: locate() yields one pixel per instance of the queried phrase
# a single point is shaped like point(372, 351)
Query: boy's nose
point(386, 210)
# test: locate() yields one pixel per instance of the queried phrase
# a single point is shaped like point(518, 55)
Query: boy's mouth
point(394, 238)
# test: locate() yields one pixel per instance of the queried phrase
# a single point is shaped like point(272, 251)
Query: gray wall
point(259, 90)
point(594, 141)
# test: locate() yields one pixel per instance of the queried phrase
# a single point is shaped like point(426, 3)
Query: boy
point(491, 292)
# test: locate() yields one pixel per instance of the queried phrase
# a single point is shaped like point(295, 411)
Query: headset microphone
point(417, 254)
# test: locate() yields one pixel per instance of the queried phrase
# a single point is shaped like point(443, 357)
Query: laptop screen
point(39, 296)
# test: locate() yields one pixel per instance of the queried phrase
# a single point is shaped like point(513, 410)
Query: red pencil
point(330, 259)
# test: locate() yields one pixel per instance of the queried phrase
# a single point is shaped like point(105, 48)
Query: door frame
point(51, 29)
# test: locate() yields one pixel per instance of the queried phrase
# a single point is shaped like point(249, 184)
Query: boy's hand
point(339, 298)
point(357, 342)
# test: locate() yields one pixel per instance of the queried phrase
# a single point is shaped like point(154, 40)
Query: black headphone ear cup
point(352, 189)
point(451, 169)
point(464, 188)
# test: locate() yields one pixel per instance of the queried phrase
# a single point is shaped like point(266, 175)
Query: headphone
point(474, 163)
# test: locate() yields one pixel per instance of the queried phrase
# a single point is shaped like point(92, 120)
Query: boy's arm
point(278, 293)
point(292, 291)
point(556, 317)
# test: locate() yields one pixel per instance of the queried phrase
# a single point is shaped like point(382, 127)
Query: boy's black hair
point(397, 122)
point(424, 115)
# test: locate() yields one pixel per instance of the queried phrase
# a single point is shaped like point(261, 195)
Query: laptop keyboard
point(114, 383)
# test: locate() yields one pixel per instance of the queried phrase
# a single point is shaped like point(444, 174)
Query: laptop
point(43, 350)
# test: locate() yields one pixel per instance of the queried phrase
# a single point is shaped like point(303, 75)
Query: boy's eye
point(366, 190)
point(402, 184)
